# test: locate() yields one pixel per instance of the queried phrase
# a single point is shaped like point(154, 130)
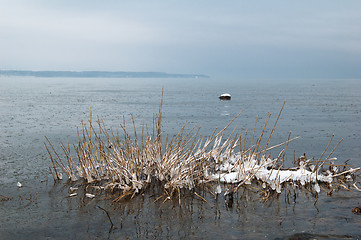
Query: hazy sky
point(260, 38)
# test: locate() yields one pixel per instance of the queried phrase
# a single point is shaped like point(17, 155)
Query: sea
point(316, 110)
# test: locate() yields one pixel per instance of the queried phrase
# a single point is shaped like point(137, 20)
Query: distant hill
point(98, 74)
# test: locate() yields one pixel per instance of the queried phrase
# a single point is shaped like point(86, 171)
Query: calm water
point(31, 108)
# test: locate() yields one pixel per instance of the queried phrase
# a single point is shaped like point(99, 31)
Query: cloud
point(180, 36)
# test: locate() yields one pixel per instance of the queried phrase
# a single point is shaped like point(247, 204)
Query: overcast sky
point(260, 38)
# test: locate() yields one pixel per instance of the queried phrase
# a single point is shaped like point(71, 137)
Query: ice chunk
point(317, 187)
point(89, 195)
point(218, 189)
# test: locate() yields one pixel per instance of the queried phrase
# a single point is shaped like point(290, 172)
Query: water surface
point(31, 108)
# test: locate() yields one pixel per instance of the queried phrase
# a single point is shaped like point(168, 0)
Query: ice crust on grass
point(243, 171)
point(184, 161)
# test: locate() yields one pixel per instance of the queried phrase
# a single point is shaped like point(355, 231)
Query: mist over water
point(31, 108)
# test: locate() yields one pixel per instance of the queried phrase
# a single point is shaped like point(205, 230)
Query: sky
point(246, 39)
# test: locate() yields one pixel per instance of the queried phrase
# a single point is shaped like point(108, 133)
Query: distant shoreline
point(98, 74)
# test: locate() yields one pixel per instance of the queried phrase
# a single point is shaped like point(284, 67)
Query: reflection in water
point(249, 217)
point(294, 214)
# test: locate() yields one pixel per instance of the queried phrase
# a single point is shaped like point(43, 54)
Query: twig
point(110, 220)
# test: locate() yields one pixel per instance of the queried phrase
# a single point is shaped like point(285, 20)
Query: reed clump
point(126, 164)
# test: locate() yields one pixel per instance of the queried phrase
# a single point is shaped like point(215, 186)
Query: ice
point(249, 170)
point(218, 189)
point(232, 177)
point(89, 195)
point(317, 188)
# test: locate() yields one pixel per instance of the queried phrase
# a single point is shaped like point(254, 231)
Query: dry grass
point(128, 165)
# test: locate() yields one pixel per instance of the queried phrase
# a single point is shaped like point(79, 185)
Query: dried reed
point(186, 161)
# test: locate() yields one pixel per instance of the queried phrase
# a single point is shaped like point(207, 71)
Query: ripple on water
point(29, 112)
